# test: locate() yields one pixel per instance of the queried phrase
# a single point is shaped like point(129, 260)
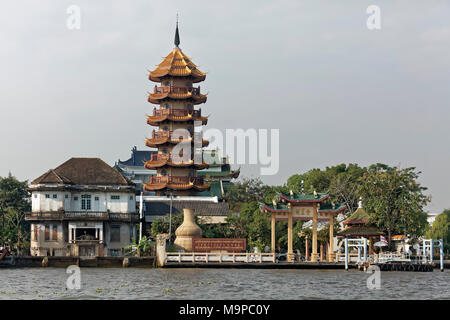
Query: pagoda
point(175, 120)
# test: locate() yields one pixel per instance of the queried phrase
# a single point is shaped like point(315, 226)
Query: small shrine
point(358, 225)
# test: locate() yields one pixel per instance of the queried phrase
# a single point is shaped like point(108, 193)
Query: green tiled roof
point(214, 174)
point(359, 231)
point(281, 207)
point(304, 197)
point(269, 207)
point(338, 207)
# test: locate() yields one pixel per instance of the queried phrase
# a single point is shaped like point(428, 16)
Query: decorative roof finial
point(360, 203)
point(315, 194)
point(177, 35)
point(291, 193)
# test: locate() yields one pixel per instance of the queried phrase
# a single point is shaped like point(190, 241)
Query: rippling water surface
point(96, 283)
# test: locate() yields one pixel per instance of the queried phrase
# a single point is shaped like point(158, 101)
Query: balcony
point(176, 180)
point(169, 135)
point(176, 112)
point(176, 90)
point(156, 157)
point(81, 215)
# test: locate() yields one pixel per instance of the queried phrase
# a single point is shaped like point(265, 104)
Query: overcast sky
point(338, 92)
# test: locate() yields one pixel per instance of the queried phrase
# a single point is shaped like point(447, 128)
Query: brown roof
point(84, 171)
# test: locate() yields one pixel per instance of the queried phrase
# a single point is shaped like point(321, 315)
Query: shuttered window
point(55, 232)
point(47, 232)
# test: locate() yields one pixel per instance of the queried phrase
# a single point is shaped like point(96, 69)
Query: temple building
point(301, 206)
point(210, 210)
point(219, 175)
point(179, 154)
point(134, 169)
point(84, 207)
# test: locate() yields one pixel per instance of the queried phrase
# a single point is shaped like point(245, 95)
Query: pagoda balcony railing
point(176, 112)
point(158, 135)
point(176, 180)
point(177, 90)
point(159, 157)
point(166, 156)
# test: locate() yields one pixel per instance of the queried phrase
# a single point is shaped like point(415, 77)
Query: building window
point(115, 233)
point(114, 252)
point(55, 196)
point(75, 198)
point(97, 198)
point(51, 232)
point(86, 202)
point(166, 106)
point(66, 196)
point(131, 198)
point(35, 196)
point(115, 197)
point(47, 196)
point(164, 172)
point(55, 232)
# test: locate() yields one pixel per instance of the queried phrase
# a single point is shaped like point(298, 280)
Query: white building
point(82, 208)
point(431, 217)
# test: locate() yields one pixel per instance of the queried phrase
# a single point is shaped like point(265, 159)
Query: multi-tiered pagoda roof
point(176, 119)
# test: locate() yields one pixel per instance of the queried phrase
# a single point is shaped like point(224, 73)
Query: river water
point(135, 283)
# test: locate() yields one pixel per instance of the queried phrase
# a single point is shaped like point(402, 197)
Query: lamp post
point(170, 216)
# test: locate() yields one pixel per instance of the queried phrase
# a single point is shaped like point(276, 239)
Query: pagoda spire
point(177, 35)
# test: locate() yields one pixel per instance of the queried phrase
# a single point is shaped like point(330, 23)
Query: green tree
point(162, 225)
point(441, 229)
point(14, 202)
point(395, 200)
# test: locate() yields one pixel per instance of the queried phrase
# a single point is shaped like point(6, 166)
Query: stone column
point(161, 254)
point(273, 232)
point(321, 252)
point(70, 234)
point(290, 254)
point(307, 248)
point(101, 235)
point(314, 254)
point(331, 255)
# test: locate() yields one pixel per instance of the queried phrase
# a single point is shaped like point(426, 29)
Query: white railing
point(391, 257)
point(204, 257)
